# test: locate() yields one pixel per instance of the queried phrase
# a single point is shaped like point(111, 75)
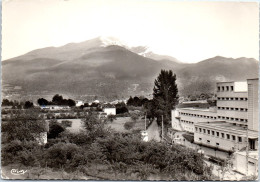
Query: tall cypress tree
point(165, 95)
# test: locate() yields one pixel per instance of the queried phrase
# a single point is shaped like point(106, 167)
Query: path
point(153, 132)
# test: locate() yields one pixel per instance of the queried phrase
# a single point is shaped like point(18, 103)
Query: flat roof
point(197, 109)
point(223, 125)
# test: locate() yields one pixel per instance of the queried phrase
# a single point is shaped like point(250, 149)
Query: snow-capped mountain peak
point(107, 41)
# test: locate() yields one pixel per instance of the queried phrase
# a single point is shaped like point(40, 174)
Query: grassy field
point(76, 125)
point(118, 124)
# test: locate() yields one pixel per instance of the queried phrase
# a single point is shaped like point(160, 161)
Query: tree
point(57, 99)
point(55, 129)
point(26, 125)
point(71, 102)
point(165, 95)
point(28, 105)
point(43, 102)
point(6, 102)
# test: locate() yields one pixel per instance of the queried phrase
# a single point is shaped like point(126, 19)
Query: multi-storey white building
point(183, 119)
point(226, 127)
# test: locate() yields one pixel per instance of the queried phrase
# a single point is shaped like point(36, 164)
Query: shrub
point(55, 129)
point(129, 125)
point(66, 123)
point(63, 155)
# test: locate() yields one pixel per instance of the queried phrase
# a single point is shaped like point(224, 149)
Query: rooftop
point(223, 125)
point(197, 109)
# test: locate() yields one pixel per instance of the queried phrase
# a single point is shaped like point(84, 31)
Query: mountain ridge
point(113, 71)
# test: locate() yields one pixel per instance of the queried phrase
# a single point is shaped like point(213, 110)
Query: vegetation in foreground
point(96, 152)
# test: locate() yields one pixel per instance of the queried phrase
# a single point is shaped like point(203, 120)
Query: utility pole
point(247, 151)
point(162, 127)
point(145, 122)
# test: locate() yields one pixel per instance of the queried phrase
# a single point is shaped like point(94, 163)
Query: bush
point(22, 152)
point(129, 125)
point(64, 155)
point(66, 123)
point(55, 129)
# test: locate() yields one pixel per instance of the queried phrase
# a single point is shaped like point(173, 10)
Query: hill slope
point(112, 71)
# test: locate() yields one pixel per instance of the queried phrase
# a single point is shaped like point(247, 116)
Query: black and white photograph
point(129, 90)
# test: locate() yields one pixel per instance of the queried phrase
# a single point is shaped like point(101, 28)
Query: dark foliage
point(43, 102)
point(165, 95)
point(136, 101)
point(28, 105)
point(55, 129)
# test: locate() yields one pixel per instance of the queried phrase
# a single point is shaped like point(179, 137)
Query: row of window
point(188, 122)
point(218, 134)
point(232, 109)
point(233, 98)
point(225, 88)
point(232, 119)
point(197, 115)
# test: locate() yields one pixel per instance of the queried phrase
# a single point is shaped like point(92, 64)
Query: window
point(213, 133)
point(231, 98)
point(239, 139)
point(234, 137)
point(209, 132)
point(241, 98)
point(196, 128)
point(236, 98)
point(227, 88)
point(217, 144)
point(200, 129)
point(232, 88)
point(236, 109)
point(204, 131)
point(222, 135)
point(200, 139)
point(217, 134)
point(231, 108)
point(228, 136)
point(218, 89)
point(223, 88)
point(208, 141)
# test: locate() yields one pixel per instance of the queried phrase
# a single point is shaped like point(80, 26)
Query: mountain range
point(109, 69)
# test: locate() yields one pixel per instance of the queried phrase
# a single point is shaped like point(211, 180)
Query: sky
point(188, 31)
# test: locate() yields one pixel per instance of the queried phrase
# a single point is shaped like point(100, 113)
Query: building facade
point(231, 125)
point(183, 119)
point(110, 111)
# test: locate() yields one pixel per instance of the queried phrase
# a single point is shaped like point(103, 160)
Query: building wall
point(217, 138)
point(240, 163)
point(110, 111)
point(232, 102)
point(183, 119)
point(253, 115)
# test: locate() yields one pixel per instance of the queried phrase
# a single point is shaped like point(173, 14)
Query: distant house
point(110, 110)
point(79, 103)
point(96, 102)
point(6, 107)
point(55, 107)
